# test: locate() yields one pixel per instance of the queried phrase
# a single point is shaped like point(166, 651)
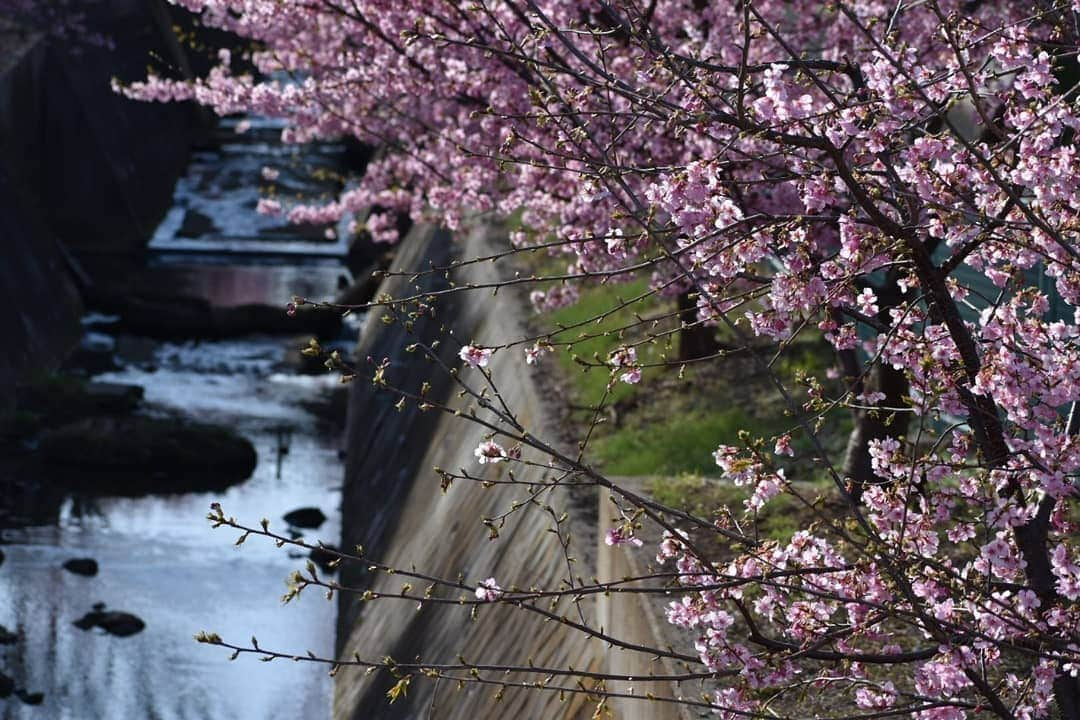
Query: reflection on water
point(160, 560)
point(231, 284)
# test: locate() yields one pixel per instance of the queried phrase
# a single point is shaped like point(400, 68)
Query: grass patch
point(682, 444)
point(670, 423)
point(603, 320)
point(703, 497)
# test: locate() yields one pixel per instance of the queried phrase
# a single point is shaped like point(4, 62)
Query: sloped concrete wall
point(394, 507)
point(638, 618)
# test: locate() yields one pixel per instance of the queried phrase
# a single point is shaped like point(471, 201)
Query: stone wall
point(83, 171)
point(40, 320)
point(98, 167)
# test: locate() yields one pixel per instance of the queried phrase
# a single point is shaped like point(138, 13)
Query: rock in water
point(82, 566)
point(7, 637)
point(308, 517)
point(7, 686)
point(114, 622)
point(30, 698)
point(138, 455)
point(87, 621)
point(121, 624)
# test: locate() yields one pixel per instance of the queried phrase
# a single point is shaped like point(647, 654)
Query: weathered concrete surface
point(394, 507)
point(639, 619)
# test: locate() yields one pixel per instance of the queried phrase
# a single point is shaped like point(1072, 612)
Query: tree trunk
point(1067, 696)
point(875, 425)
point(695, 340)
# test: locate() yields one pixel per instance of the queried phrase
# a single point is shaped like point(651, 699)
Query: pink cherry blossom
point(535, 353)
point(490, 452)
point(621, 535)
point(474, 356)
point(488, 590)
point(895, 180)
point(267, 206)
point(626, 358)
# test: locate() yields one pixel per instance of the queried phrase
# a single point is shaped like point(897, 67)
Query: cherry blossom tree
point(899, 176)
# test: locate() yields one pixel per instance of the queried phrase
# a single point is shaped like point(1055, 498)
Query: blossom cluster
point(898, 178)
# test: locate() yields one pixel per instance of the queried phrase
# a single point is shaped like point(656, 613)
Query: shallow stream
point(158, 557)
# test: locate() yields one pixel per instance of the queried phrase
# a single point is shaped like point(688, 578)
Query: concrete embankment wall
point(639, 619)
point(83, 171)
point(394, 507)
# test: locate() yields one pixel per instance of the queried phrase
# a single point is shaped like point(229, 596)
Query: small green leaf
point(400, 689)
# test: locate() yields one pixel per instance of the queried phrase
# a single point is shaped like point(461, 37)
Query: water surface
point(158, 557)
